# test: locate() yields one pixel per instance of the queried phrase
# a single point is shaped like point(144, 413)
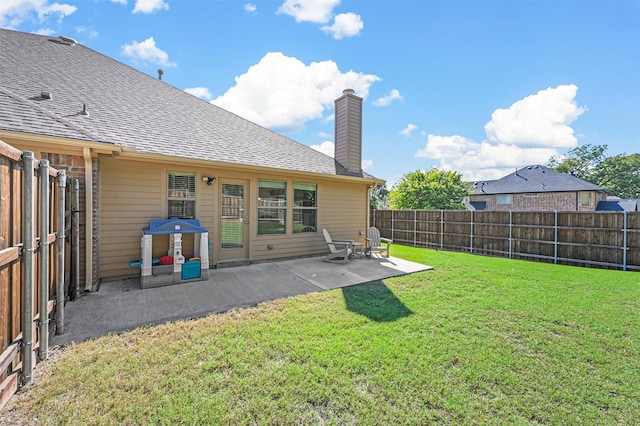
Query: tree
point(430, 190)
point(582, 161)
point(379, 197)
point(619, 175)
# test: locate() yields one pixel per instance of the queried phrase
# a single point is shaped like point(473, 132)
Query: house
point(144, 150)
point(537, 188)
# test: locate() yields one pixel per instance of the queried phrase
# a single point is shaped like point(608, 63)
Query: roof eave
point(37, 139)
point(125, 153)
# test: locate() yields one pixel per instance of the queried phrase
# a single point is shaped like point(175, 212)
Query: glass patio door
point(233, 221)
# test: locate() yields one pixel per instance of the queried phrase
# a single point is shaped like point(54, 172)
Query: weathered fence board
point(600, 239)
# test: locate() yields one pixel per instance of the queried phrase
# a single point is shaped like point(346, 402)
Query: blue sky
point(480, 87)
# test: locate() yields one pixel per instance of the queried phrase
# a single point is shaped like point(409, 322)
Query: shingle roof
point(534, 179)
point(632, 205)
point(131, 109)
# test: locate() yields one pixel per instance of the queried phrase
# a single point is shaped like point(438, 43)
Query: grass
point(478, 340)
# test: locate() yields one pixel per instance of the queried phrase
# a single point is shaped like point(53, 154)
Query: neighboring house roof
point(619, 206)
point(534, 179)
point(132, 110)
point(479, 205)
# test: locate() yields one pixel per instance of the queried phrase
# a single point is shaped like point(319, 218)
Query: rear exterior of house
point(144, 150)
point(251, 215)
point(537, 188)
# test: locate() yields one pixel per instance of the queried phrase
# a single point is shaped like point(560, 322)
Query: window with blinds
point(181, 195)
point(272, 207)
point(305, 207)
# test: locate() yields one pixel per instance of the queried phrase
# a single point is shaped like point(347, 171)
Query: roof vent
point(68, 40)
point(84, 110)
point(45, 95)
point(160, 72)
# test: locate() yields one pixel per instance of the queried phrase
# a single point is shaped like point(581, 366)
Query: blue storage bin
point(191, 270)
point(138, 262)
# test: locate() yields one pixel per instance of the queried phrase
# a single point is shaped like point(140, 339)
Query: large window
point(305, 207)
point(181, 195)
point(585, 199)
point(272, 207)
point(505, 199)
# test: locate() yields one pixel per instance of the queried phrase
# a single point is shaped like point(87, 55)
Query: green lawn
point(479, 340)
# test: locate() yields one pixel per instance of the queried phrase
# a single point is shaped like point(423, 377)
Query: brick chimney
point(348, 131)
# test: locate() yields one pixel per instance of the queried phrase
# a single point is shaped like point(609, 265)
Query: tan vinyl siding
point(130, 196)
point(342, 209)
point(134, 192)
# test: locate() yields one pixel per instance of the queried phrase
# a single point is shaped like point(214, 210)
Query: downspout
point(88, 193)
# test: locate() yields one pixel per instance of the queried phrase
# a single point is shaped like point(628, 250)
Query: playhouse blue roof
point(174, 226)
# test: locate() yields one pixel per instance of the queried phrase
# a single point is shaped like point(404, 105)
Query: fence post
point(510, 234)
point(555, 237)
point(415, 227)
point(393, 226)
point(27, 267)
point(624, 243)
point(441, 229)
point(471, 236)
point(60, 237)
point(75, 221)
point(43, 297)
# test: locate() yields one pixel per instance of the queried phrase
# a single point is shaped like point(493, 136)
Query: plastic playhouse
point(173, 268)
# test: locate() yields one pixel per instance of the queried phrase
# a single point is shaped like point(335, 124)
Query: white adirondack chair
point(341, 250)
point(377, 244)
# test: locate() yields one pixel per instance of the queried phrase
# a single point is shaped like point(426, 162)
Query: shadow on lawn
point(375, 301)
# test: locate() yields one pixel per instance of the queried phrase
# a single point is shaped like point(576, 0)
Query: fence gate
point(32, 263)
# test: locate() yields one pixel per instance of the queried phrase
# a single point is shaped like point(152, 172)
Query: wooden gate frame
point(32, 269)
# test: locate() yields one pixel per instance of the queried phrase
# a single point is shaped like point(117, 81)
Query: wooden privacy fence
point(32, 259)
point(599, 239)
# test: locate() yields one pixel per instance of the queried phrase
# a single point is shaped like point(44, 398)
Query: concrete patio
point(122, 305)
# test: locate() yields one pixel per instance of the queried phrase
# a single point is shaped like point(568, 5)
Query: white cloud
point(326, 147)
point(344, 25)
point(542, 119)
point(147, 51)
point(366, 164)
point(87, 31)
point(445, 147)
point(316, 11)
point(283, 92)
point(45, 32)
point(407, 130)
point(250, 8)
point(119, 1)
point(200, 92)
point(15, 12)
point(529, 132)
point(386, 100)
point(150, 6)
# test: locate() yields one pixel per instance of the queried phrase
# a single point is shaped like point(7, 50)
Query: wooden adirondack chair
point(341, 250)
point(377, 244)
